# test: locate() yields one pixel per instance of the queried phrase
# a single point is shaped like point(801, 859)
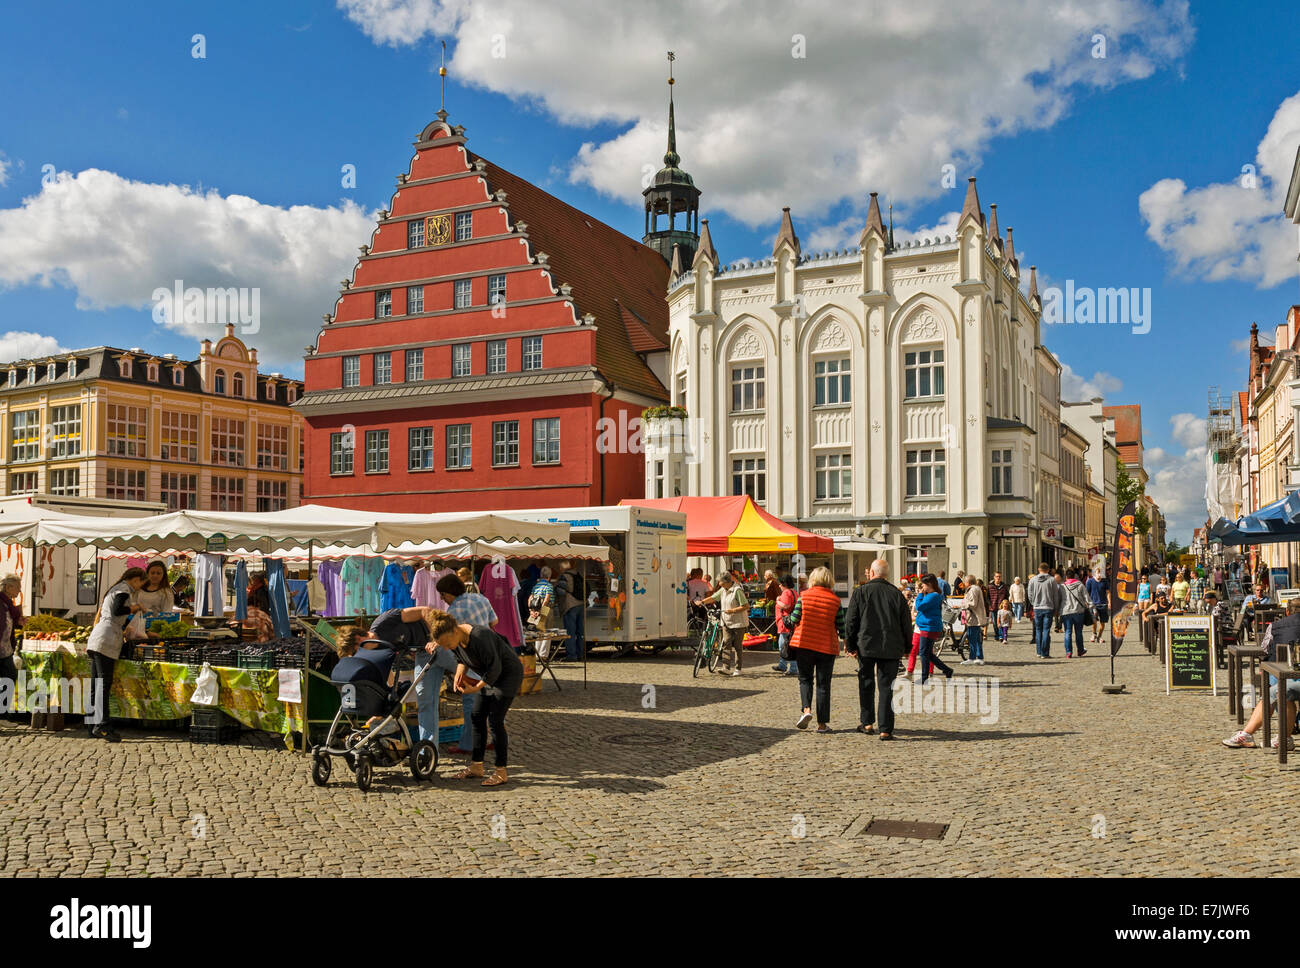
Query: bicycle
point(711, 644)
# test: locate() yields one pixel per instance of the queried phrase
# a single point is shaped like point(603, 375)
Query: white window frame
point(505, 443)
point(419, 449)
point(376, 451)
point(922, 465)
point(464, 226)
point(459, 447)
point(1001, 464)
point(416, 372)
point(749, 476)
point(833, 477)
point(383, 369)
point(383, 303)
point(532, 353)
point(463, 294)
point(833, 377)
point(546, 437)
point(462, 359)
point(748, 384)
point(351, 372)
point(342, 453)
point(928, 371)
point(415, 233)
point(496, 356)
point(414, 300)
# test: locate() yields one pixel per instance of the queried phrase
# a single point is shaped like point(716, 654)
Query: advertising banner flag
point(1123, 579)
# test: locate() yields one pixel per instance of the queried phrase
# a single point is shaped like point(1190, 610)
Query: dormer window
point(292, 394)
point(31, 374)
point(178, 376)
point(219, 382)
point(124, 367)
point(153, 372)
point(13, 378)
point(72, 368)
point(51, 371)
point(237, 385)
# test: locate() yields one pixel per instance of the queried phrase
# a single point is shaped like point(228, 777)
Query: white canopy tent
point(439, 550)
point(273, 532)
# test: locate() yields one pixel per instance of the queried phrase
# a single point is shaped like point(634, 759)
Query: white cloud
point(1241, 345)
point(21, 345)
point(1076, 389)
point(4, 170)
point(886, 96)
point(114, 241)
point(1188, 429)
point(1233, 229)
point(1177, 484)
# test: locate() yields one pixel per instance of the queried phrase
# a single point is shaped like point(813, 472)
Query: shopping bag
point(136, 628)
point(206, 688)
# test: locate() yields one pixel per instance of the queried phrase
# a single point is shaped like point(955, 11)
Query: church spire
point(672, 193)
point(971, 207)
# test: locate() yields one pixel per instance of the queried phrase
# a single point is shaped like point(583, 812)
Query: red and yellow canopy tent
point(736, 525)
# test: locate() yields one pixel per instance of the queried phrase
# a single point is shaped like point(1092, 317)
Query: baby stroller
point(368, 730)
point(954, 632)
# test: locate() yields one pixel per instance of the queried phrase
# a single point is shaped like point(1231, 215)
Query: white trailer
point(638, 598)
point(65, 579)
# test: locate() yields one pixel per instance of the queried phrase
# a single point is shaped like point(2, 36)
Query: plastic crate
point(288, 660)
point(245, 661)
point(186, 655)
point(208, 716)
point(227, 658)
point(145, 652)
point(214, 734)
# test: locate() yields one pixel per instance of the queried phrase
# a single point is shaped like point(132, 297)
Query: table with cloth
point(162, 690)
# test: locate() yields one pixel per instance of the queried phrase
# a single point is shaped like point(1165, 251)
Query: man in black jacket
point(878, 631)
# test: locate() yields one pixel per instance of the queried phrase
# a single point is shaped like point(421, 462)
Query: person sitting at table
point(1256, 599)
point(1285, 630)
point(1160, 606)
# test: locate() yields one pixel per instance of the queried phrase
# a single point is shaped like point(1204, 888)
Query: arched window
point(219, 382)
point(237, 385)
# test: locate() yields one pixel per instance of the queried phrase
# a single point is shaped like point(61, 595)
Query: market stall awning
point(276, 531)
point(409, 550)
point(736, 525)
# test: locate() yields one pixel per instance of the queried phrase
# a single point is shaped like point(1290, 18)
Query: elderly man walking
point(878, 631)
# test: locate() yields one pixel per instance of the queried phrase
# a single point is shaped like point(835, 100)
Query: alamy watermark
point(958, 696)
point(240, 307)
point(1107, 306)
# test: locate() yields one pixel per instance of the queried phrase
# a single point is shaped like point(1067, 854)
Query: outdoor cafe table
point(1238, 656)
point(1283, 672)
point(161, 691)
point(1264, 616)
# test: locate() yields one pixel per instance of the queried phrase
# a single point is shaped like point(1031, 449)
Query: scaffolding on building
point(1222, 453)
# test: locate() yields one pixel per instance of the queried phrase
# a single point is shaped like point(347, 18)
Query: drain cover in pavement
point(637, 739)
point(906, 828)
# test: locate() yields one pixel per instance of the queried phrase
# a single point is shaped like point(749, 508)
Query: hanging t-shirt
point(395, 586)
point(374, 574)
point(424, 589)
point(499, 585)
point(209, 593)
point(353, 575)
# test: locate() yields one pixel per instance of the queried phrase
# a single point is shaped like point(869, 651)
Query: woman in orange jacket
point(818, 623)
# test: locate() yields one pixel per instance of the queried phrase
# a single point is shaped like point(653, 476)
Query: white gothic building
point(888, 392)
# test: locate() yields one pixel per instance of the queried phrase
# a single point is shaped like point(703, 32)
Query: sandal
point(468, 774)
point(868, 730)
point(496, 779)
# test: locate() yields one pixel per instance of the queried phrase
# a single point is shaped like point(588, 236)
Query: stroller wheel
point(424, 759)
point(365, 772)
point(320, 767)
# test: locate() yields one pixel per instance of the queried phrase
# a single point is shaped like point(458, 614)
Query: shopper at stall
point(771, 587)
point(11, 619)
point(105, 645)
point(735, 614)
point(876, 631)
point(155, 595)
point(500, 675)
point(259, 612)
point(572, 612)
point(470, 608)
point(785, 601)
point(408, 629)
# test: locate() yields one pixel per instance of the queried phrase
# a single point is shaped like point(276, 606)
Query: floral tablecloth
point(154, 690)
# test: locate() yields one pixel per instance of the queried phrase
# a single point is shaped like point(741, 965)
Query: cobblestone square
point(714, 780)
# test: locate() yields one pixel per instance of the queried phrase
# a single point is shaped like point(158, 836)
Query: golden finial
point(671, 57)
point(442, 74)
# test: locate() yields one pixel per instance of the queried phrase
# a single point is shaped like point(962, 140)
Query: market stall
point(247, 681)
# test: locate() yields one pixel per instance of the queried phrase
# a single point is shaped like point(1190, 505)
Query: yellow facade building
point(208, 434)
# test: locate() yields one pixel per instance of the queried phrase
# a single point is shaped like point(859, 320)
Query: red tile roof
point(611, 274)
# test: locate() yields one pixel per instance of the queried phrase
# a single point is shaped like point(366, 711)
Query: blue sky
point(288, 93)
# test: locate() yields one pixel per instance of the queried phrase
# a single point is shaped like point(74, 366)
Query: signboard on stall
point(1189, 653)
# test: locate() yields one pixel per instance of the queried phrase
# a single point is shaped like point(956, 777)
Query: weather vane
point(442, 74)
point(671, 57)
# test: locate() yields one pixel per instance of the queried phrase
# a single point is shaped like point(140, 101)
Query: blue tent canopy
point(1277, 522)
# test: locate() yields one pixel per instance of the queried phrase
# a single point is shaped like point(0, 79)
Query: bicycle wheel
point(719, 646)
point(699, 659)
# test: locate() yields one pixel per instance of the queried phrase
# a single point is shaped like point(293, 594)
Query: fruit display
point(170, 630)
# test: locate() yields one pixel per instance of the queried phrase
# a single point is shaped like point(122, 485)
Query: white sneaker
point(967, 661)
point(803, 722)
point(734, 673)
point(979, 661)
point(1290, 743)
point(1240, 740)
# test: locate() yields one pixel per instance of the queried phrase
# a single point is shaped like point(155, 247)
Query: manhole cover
point(906, 828)
point(637, 739)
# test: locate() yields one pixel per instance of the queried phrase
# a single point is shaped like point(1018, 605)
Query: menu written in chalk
point(1189, 643)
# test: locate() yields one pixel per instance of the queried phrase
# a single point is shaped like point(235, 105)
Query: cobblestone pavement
point(712, 780)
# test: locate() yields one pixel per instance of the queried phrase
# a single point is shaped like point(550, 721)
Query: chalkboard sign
point(1189, 653)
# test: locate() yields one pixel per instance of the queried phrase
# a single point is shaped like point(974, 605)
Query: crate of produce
point(221, 656)
point(148, 652)
point(289, 659)
point(185, 654)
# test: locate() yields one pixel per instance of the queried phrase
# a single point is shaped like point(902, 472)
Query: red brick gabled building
point(486, 331)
